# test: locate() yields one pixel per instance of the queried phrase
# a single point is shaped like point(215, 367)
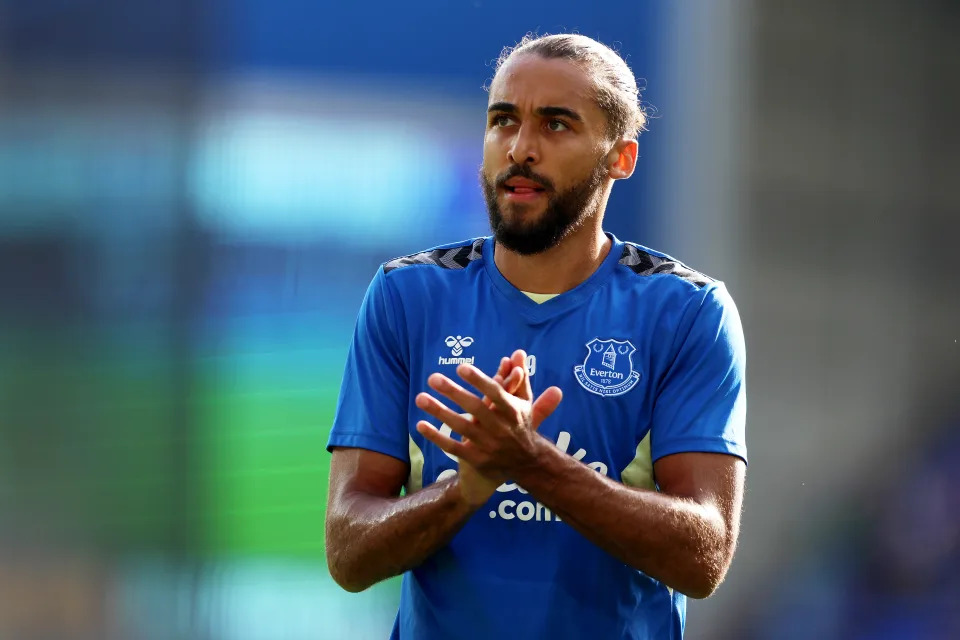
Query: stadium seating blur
point(888, 568)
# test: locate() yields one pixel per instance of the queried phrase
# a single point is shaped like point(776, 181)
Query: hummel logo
point(457, 345)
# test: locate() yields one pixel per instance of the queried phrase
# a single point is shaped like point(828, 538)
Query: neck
point(559, 268)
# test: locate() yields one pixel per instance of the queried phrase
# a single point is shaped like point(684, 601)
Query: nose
point(525, 148)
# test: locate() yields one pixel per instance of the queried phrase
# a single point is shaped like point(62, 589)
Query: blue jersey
point(650, 357)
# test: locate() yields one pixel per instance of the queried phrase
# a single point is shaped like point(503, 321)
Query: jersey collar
point(565, 301)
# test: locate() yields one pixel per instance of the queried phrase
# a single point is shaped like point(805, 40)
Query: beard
point(564, 213)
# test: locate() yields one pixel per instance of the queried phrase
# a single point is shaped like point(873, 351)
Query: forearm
point(370, 538)
point(678, 541)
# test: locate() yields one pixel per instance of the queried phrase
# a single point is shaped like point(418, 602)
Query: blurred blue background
point(194, 196)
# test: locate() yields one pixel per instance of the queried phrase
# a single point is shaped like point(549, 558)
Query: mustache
point(523, 171)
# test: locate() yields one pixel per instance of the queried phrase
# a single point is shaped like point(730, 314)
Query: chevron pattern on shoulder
point(643, 263)
point(452, 258)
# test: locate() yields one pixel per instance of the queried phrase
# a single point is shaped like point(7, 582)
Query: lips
point(523, 186)
point(523, 194)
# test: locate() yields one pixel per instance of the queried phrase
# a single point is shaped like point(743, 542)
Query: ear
point(622, 159)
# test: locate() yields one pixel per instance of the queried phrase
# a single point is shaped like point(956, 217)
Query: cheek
point(492, 156)
point(574, 174)
point(588, 161)
point(491, 143)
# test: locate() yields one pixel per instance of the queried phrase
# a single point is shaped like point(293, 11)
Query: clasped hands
point(499, 429)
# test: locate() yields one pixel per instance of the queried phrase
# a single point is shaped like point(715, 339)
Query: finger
point(505, 374)
point(457, 449)
point(493, 391)
point(457, 394)
point(502, 378)
point(464, 425)
point(545, 405)
point(505, 366)
point(499, 380)
point(514, 381)
point(526, 391)
point(519, 359)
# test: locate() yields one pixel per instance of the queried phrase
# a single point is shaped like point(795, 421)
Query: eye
point(502, 121)
point(557, 126)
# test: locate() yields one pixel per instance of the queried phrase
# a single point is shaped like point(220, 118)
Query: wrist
point(535, 460)
point(469, 497)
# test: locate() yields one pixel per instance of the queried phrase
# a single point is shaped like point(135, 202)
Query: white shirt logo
point(608, 369)
point(458, 344)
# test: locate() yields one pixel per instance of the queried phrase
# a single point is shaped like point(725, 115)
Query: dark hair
point(617, 92)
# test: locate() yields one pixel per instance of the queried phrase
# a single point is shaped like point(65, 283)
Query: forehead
point(530, 81)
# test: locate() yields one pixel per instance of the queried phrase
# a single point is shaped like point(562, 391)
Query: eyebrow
point(546, 112)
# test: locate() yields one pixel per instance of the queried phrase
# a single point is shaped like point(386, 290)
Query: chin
point(522, 210)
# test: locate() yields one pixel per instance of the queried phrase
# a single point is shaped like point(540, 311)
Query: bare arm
point(683, 536)
point(372, 532)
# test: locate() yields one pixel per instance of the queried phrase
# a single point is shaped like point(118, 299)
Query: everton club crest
point(608, 368)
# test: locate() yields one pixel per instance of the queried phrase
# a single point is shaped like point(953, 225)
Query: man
point(592, 509)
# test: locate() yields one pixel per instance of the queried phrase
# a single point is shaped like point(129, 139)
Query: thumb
point(544, 406)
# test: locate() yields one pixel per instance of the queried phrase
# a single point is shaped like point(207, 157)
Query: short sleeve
point(372, 407)
point(701, 404)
